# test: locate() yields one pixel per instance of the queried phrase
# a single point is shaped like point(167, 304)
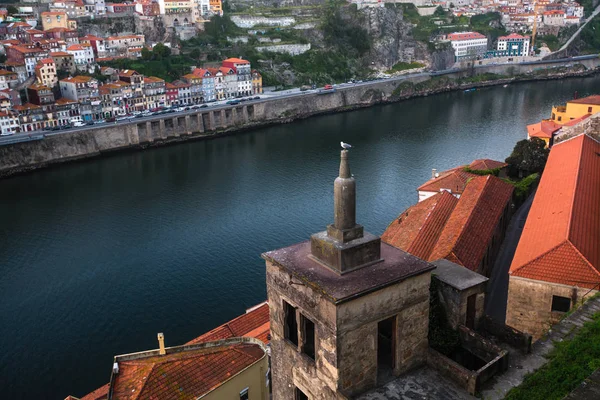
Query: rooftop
point(483, 164)
point(237, 61)
point(184, 372)
point(454, 179)
point(591, 100)
point(513, 36)
point(560, 239)
point(544, 129)
point(465, 36)
point(457, 276)
point(397, 265)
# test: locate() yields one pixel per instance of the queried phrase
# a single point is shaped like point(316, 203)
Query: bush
point(528, 156)
point(402, 66)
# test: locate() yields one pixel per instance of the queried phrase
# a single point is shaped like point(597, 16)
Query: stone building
point(347, 311)
point(557, 261)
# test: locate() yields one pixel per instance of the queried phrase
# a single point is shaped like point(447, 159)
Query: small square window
point(308, 336)
point(299, 395)
point(561, 304)
point(244, 394)
point(589, 110)
point(291, 323)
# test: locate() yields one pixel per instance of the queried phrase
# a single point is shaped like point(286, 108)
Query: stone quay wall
point(210, 123)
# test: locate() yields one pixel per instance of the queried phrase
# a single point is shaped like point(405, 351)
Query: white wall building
point(83, 56)
point(468, 45)
point(514, 45)
point(9, 123)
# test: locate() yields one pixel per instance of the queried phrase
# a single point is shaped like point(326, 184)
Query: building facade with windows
point(468, 45)
point(513, 45)
point(575, 108)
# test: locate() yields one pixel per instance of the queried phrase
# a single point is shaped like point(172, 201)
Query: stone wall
point(55, 148)
point(454, 303)
point(293, 49)
point(247, 21)
point(590, 126)
point(529, 307)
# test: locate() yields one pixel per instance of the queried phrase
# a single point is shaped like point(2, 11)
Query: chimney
point(116, 368)
point(433, 172)
point(161, 344)
point(575, 95)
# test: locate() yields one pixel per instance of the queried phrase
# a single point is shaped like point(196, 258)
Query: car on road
point(79, 124)
point(125, 118)
point(233, 102)
point(90, 123)
point(203, 106)
point(256, 97)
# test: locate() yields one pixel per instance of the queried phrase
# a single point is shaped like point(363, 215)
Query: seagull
point(345, 145)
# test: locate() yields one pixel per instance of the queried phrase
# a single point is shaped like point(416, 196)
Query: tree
point(12, 10)
point(527, 157)
point(146, 54)
point(195, 54)
point(160, 51)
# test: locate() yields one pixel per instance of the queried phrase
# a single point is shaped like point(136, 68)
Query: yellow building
point(54, 19)
point(575, 109)
point(216, 7)
point(256, 82)
point(45, 72)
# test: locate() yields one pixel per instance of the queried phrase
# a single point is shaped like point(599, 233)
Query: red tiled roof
point(544, 129)
point(255, 323)
point(75, 47)
point(418, 228)
point(469, 230)
point(465, 36)
point(237, 61)
point(560, 239)
point(592, 100)
point(454, 179)
point(187, 374)
point(513, 36)
point(483, 164)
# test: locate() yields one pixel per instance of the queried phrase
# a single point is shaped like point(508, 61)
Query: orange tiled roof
point(237, 61)
point(592, 100)
point(465, 237)
point(465, 36)
point(560, 239)
point(128, 72)
point(47, 13)
point(75, 47)
point(78, 79)
point(65, 100)
point(152, 79)
point(418, 228)
point(483, 164)
point(5, 72)
point(544, 129)
point(255, 323)
point(60, 54)
point(454, 179)
point(98, 394)
point(187, 374)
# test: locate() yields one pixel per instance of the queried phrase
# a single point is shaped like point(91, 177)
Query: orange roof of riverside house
point(513, 36)
point(78, 79)
point(484, 164)
point(254, 323)
point(418, 228)
point(465, 36)
point(5, 72)
point(592, 100)
point(543, 129)
point(99, 394)
point(152, 79)
point(128, 72)
point(237, 61)
point(454, 179)
point(466, 236)
point(60, 54)
point(184, 373)
point(48, 13)
point(65, 100)
point(560, 240)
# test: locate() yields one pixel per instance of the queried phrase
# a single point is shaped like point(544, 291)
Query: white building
point(468, 45)
point(514, 45)
point(83, 56)
point(9, 123)
point(554, 18)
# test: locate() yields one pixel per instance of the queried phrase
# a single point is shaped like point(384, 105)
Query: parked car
point(233, 102)
point(90, 123)
point(256, 97)
point(203, 106)
point(7, 133)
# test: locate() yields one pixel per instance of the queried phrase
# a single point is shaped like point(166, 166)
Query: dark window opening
point(559, 119)
point(299, 395)
point(589, 110)
point(561, 304)
point(244, 394)
point(471, 311)
point(386, 349)
point(308, 336)
point(291, 324)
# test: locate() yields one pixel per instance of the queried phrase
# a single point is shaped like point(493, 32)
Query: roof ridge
point(583, 257)
point(535, 258)
point(470, 217)
point(572, 202)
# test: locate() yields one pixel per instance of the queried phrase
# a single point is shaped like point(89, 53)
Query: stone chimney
point(161, 344)
point(344, 246)
point(433, 173)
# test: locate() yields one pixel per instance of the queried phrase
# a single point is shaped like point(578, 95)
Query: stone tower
point(347, 311)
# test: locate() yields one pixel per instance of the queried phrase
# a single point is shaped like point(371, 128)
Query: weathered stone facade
point(529, 307)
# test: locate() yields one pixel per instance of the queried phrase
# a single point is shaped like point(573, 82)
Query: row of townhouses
point(474, 45)
point(126, 93)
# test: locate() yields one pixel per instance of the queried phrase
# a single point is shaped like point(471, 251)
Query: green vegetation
point(485, 77)
point(488, 24)
point(551, 41)
point(156, 62)
point(345, 37)
point(493, 171)
point(528, 156)
point(524, 186)
point(588, 6)
point(403, 66)
point(590, 37)
point(441, 336)
point(570, 363)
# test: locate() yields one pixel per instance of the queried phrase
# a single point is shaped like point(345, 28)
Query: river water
point(96, 257)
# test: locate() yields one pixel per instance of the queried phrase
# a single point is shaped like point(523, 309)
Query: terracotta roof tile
point(543, 129)
point(485, 163)
point(98, 394)
point(184, 375)
point(237, 61)
point(418, 229)
point(564, 220)
point(254, 323)
point(593, 100)
point(470, 228)
point(454, 179)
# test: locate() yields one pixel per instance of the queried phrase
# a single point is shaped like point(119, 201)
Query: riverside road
point(271, 96)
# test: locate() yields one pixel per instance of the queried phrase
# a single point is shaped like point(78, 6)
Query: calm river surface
point(97, 257)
